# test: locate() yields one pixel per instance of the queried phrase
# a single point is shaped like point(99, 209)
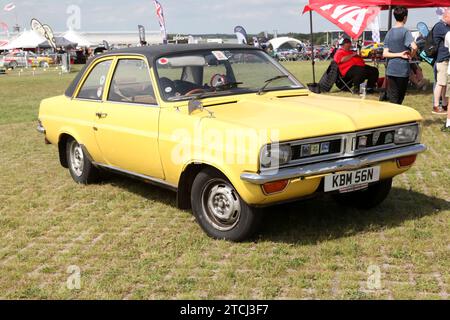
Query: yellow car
point(40, 61)
point(367, 52)
point(229, 130)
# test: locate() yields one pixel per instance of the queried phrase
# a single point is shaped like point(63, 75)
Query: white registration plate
point(349, 181)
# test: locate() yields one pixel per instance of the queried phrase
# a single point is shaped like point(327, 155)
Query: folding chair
point(344, 85)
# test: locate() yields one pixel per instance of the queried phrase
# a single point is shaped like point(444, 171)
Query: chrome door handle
point(101, 115)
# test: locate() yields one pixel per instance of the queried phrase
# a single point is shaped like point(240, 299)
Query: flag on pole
point(241, 34)
point(9, 7)
point(161, 20)
point(375, 28)
point(141, 35)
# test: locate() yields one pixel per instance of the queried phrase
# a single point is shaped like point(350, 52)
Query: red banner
point(386, 3)
point(352, 19)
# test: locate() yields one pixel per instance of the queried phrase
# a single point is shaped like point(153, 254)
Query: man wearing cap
point(352, 67)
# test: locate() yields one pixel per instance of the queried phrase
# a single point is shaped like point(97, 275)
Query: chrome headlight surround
point(407, 134)
point(274, 155)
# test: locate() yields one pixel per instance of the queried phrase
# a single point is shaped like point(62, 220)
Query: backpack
point(431, 48)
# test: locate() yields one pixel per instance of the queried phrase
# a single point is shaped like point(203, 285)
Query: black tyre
point(13, 65)
point(80, 167)
point(366, 199)
point(219, 209)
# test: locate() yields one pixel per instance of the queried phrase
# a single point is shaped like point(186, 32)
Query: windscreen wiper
point(195, 96)
point(229, 85)
point(267, 82)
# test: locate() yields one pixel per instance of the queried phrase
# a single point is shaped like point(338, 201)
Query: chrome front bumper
point(40, 128)
point(332, 166)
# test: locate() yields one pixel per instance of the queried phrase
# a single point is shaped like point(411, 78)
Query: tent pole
point(390, 18)
point(312, 47)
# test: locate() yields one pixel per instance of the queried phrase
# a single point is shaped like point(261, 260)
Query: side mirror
point(195, 105)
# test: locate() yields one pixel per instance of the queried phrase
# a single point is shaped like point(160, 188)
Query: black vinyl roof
point(154, 52)
point(157, 51)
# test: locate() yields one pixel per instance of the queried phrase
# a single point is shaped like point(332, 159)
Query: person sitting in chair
point(353, 68)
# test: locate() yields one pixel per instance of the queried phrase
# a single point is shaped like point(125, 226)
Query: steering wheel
point(198, 90)
point(218, 80)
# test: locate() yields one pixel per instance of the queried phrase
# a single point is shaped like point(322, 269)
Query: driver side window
point(131, 83)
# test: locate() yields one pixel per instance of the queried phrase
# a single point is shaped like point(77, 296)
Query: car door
point(127, 123)
point(85, 104)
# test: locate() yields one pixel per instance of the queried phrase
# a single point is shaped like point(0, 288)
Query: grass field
point(129, 241)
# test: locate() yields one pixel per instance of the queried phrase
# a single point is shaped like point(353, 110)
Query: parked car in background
point(287, 54)
point(373, 50)
point(40, 60)
point(21, 59)
point(227, 137)
point(15, 60)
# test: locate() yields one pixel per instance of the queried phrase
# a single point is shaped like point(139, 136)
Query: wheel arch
point(191, 170)
point(63, 137)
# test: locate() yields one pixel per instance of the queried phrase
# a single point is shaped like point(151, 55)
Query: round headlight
point(266, 160)
point(406, 134)
point(275, 155)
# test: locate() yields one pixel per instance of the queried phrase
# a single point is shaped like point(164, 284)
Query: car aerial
point(229, 129)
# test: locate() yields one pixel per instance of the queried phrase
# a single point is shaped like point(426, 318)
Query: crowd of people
point(401, 51)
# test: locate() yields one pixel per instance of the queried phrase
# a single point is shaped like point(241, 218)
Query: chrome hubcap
point(76, 158)
point(221, 205)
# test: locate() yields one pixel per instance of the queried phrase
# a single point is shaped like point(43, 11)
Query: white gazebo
point(28, 39)
point(75, 37)
point(284, 43)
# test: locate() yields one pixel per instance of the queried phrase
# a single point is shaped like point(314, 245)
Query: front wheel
point(370, 198)
point(219, 209)
point(80, 167)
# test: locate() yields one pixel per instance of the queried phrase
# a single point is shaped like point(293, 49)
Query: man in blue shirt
point(399, 47)
point(441, 66)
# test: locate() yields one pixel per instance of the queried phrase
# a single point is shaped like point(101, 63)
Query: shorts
point(447, 92)
point(442, 73)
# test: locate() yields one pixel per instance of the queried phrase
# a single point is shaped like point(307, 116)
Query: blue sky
point(182, 16)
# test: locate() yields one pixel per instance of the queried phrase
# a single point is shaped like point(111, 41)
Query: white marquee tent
point(26, 40)
point(75, 37)
point(284, 42)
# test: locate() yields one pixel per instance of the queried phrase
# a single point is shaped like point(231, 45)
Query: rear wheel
point(80, 167)
point(370, 198)
point(219, 209)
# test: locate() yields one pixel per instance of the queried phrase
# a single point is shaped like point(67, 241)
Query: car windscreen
point(211, 73)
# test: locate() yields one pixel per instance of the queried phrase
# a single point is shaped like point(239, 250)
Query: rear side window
point(131, 83)
point(94, 85)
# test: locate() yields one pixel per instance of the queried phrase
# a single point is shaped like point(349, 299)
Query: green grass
point(130, 241)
